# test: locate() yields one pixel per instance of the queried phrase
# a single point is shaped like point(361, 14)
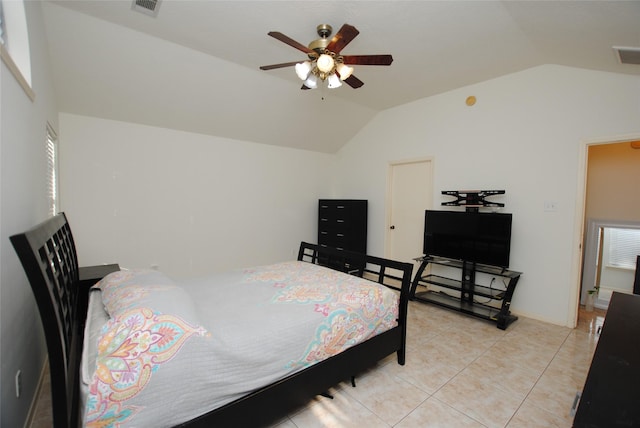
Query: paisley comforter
point(167, 352)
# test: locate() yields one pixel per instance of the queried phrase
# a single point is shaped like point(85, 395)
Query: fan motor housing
point(319, 45)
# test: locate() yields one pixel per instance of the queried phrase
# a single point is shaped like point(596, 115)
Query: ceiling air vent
point(148, 7)
point(628, 55)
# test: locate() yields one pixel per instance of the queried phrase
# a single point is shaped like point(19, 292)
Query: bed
point(48, 255)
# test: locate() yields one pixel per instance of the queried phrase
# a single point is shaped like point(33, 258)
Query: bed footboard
point(391, 273)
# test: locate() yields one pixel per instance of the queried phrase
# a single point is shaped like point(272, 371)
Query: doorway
point(610, 207)
point(409, 194)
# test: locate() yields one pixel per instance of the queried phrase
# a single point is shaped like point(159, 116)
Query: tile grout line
point(538, 380)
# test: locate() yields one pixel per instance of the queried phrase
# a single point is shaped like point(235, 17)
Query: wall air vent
point(148, 7)
point(627, 55)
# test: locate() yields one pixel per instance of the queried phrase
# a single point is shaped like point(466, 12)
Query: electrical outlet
point(18, 383)
point(550, 206)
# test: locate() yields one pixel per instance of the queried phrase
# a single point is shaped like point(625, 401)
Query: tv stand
point(463, 294)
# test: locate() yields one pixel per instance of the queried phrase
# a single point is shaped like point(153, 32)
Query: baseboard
point(537, 317)
point(34, 401)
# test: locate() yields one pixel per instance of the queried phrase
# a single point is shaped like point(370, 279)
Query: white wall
point(23, 203)
point(526, 135)
point(190, 203)
point(612, 182)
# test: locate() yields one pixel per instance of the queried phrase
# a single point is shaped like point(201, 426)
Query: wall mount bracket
point(472, 200)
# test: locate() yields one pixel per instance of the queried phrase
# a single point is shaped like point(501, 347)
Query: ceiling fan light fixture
point(311, 82)
point(344, 71)
point(325, 63)
point(333, 81)
point(303, 69)
point(324, 60)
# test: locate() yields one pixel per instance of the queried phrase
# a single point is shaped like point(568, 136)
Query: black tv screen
point(477, 237)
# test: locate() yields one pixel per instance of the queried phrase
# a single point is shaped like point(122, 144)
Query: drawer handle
point(340, 221)
point(340, 234)
point(340, 206)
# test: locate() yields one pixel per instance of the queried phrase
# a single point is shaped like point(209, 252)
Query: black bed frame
point(48, 255)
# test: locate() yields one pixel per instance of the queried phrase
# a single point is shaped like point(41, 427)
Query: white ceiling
point(112, 62)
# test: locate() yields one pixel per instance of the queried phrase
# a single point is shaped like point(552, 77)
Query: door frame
point(389, 192)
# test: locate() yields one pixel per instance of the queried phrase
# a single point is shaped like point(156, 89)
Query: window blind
point(52, 170)
point(624, 247)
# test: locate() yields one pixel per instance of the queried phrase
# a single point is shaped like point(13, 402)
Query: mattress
point(163, 352)
point(97, 317)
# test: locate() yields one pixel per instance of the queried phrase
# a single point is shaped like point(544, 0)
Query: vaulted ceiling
point(194, 66)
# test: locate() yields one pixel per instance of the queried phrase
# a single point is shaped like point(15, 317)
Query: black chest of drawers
point(342, 224)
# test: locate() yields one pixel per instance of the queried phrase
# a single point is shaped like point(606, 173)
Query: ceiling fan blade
point(353, 81)
point(281, 65)
point(342, 38)
point(367, 59)
point(288, 40)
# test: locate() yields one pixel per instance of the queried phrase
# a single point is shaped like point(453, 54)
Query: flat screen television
point(476, 237)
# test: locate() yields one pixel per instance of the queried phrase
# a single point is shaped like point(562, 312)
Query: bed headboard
point(48, 255)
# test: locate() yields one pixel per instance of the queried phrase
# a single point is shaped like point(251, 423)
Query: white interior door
point(410, 193)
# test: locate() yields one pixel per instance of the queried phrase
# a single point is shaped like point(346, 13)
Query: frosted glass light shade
point(325, 63)
point(344, 71)
point(333, 81)
point(311, 82)
point(303, 69)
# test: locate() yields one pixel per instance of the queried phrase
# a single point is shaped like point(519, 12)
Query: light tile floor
point(460, 372)
point(464, 372)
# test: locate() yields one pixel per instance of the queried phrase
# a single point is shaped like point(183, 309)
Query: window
point(52, 170)
point(14, 46)
point(3, 32)
point(624, 247)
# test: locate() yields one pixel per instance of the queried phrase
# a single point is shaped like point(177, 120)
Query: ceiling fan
point(325, 62)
